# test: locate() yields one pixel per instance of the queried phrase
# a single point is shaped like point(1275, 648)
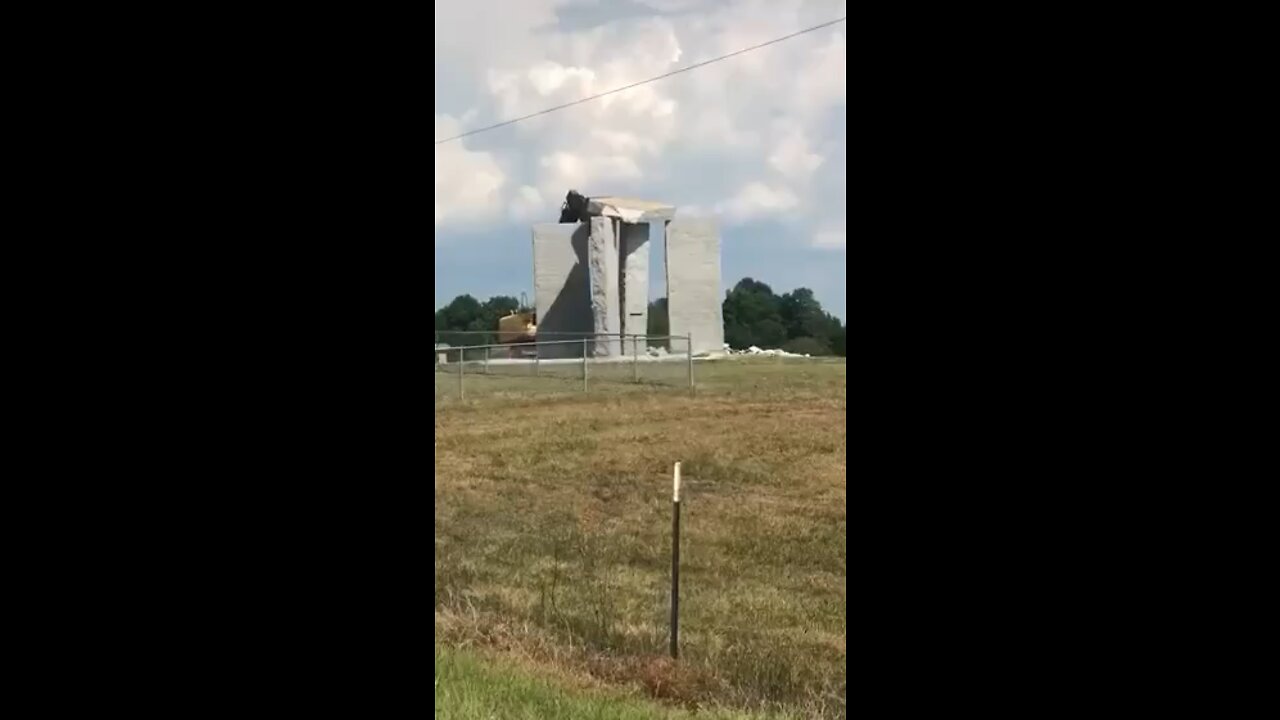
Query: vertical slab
point(693, 283)
point(634, 240)
point(602, 268)
point(561, 291)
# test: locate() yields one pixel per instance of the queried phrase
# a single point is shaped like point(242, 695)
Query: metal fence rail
point(593, 361)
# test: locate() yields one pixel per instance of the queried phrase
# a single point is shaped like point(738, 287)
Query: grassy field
point(470, 686)
point(552, 545)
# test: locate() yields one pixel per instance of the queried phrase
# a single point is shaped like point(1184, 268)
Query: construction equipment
point(519, 327)
point(574, 208)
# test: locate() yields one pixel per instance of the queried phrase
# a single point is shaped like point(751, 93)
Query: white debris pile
point(753, 350)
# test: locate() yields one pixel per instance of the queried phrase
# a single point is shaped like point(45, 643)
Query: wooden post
point(675, 565)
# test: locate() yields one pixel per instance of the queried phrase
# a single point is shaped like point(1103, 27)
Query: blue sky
point(757, 141)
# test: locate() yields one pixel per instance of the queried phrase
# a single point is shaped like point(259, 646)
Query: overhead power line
point(642, 82)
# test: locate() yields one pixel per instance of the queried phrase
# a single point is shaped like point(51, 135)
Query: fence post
point(462, 362)
point(537, 357)
point(690, 348)
point(584, 364)
point(486, 360)
point(675, 565)
point(635, 358)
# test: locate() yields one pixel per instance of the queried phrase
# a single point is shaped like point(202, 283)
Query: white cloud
point(548, 77)
point(823, 85)
point(474, 34)
point(793, 158)
point(587, 172)
point(746, 137)
point(757, 200)
point(672, 5)
point(625, 143)
point(529, 206)
point(468, 184)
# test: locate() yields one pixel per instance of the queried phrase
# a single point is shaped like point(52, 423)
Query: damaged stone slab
point(603, 258)
point(630, 210)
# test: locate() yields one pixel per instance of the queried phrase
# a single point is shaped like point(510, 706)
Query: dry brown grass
point(553, 531)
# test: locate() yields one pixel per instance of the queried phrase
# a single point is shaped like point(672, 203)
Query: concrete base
point(693, 283)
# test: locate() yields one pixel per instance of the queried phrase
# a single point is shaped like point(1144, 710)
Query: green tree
point(465, 313)
point(769, 333)
point(802, 315)
point(837, 341)
point(459, 314)
point(752, 316)
point(738, 335)
point(494, 308)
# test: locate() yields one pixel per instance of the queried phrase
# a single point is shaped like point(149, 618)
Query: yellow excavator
point(519, 327)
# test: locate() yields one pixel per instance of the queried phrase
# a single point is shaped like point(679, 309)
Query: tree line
point(753, 315)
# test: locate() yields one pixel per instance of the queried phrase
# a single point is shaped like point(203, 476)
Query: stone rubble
point(753, 350)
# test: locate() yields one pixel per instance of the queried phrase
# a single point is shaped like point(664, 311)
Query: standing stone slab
point(602, 265)
point(693, 283)
point(562, 294)
point(635, 280)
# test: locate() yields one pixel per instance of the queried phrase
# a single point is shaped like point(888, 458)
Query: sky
point(757, 141)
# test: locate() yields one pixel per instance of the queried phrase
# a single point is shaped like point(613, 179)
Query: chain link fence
point(590, 362)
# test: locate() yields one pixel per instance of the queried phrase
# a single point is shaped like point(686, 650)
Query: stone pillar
point(693, 283)
point(634, 241)
point(602, 262)
point(561, 292)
